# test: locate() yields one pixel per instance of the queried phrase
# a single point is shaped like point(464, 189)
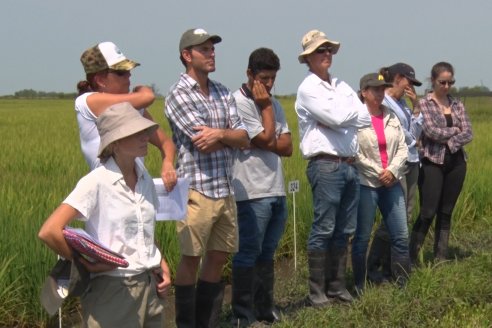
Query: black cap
point(373, 80)
point(405, 70)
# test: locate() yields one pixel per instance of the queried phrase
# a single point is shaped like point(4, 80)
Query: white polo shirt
point(329, 116)
point(119, 218)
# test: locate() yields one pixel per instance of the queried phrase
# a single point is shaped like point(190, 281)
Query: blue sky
point(42, 40)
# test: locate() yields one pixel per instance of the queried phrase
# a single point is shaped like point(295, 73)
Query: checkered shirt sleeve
point(186, 107)
point(436, 135)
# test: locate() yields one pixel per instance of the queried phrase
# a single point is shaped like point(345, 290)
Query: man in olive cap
point(206, 127)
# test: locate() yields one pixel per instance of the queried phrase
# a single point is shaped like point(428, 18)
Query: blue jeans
point(261, 224)
point(335, 189)
point(391, 204)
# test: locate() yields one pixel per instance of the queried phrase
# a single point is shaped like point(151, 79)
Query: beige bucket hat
point(312, 40)
point(120, 121)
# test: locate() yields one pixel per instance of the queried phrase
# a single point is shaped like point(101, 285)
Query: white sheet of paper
point(172, 205)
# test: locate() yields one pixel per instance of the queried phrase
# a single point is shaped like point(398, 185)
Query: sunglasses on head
point(323, 49)
point(118, 72)
point(444, 82)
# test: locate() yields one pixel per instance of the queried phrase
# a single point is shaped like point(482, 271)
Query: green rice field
point(41, 162)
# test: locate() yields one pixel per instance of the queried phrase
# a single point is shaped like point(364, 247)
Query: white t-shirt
point(257, 173)
point(89, 136)
point(119, 218)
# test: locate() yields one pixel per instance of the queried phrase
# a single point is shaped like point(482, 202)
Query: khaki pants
point(122, 302)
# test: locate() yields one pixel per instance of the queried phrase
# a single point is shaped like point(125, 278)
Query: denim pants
point(391, 204)
point(335, 189)
point(261, 224)
point(409, 184)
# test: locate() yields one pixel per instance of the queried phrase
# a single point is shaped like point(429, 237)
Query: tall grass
point(41, 162)
point(10, 295)
point(447, 294)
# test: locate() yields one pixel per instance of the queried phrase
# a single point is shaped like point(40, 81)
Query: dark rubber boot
point(378, 260)
point(264, 300)
point(337, 265)
point(185, 306)
point(441, 245)
point(359, 272)
point(209, 296)
point(419, 231)
point(400, 268)
point(316, 262)
point(441, 239)
point(242, 296)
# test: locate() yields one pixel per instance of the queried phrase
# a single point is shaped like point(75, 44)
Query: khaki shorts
point(122, 302)
point(211, 224)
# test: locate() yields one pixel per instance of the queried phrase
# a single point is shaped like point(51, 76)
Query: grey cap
point(195, 36)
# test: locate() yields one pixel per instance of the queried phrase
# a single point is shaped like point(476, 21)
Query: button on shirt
point(187, 107)
point(119, 218)
point(329, 115)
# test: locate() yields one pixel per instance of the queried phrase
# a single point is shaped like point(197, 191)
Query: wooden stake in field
point(60, 308)
point(293, 189)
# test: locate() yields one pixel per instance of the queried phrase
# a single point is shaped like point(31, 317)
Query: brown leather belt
point(334, 158)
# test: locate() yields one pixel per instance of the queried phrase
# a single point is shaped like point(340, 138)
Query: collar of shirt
point(246, 92)
point(399, 107)
point(188, 82)
point(452, 101)
point(114, 172)
point(317, 80)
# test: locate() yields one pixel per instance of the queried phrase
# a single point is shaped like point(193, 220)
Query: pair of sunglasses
point(323, 49)
point(118, 72)
point(444, 82)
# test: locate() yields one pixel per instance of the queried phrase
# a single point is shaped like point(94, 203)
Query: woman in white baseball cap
point(117, 202)
point(107, 83)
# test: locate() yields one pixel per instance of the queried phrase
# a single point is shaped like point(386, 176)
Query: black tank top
point(449, 120)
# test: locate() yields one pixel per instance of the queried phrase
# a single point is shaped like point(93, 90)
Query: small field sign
point(293, 186)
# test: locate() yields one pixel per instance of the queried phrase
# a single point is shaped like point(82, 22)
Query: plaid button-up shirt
point(435, 133)
point(187, 107)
